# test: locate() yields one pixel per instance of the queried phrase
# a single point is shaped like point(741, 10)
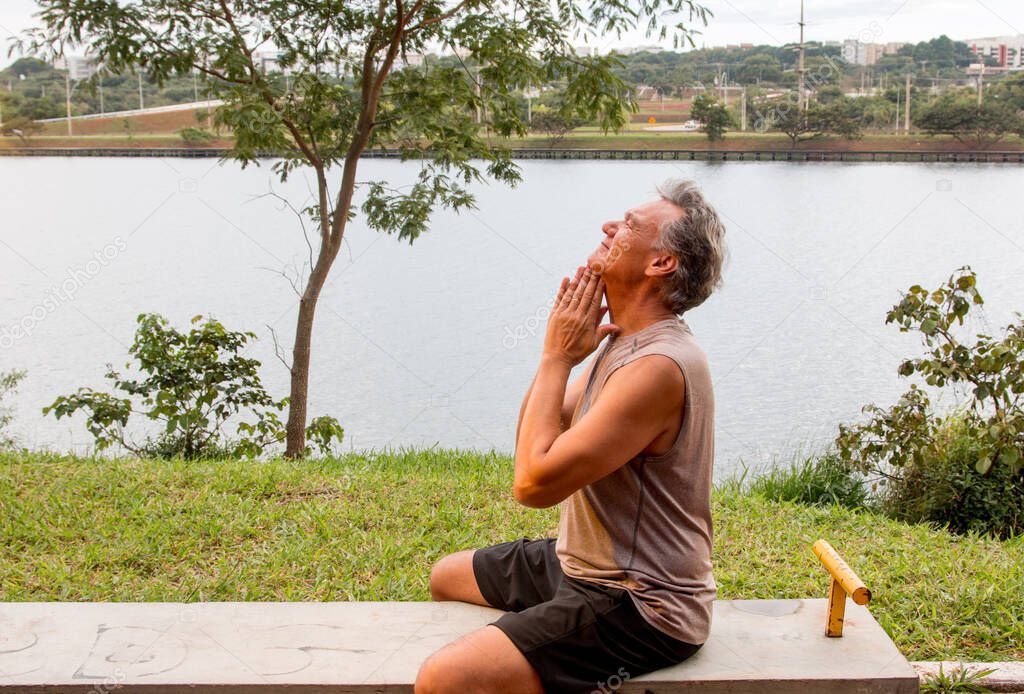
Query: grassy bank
point(369, 528)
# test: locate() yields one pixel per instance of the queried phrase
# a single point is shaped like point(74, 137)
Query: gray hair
point(696, 240)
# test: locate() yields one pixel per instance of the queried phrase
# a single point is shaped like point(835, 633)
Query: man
point(627, 450)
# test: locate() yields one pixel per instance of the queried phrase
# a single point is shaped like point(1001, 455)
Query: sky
point(757, 21)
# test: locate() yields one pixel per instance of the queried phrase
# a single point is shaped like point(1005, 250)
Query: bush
point(193, 384)
point(21, 127)
point(195, 136)
point(931, 466)
point(553, 123)
point(821, 480)
point(945, 489)
point(8, 384)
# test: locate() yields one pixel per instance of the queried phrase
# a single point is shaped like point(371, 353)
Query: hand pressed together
point(574, 326)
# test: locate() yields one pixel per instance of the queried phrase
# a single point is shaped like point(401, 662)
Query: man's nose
point(609, 228)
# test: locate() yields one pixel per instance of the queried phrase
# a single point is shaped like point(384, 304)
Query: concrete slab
point(755, 646)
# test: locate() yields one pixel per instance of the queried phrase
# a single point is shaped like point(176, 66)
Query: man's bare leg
point(452, 578)
point(482, 662)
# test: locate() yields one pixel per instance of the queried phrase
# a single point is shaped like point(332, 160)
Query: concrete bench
point(761, 646)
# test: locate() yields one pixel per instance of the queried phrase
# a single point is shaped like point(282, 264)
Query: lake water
point(435, 343)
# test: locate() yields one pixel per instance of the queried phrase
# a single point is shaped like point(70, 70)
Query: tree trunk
point(299, 393)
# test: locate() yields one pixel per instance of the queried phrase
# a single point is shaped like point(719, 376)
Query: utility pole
point(478, 114)
point(801, 99)
point(67, 95)
point(981, 82)
point(142, 102)
point(100, 82)
point(195, 87)
point(743, 110)
point(897, 108)
point(906, 120)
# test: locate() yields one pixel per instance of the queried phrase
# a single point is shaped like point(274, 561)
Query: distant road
point(140, 111)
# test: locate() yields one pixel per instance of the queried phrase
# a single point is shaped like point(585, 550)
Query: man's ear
point(661, 265)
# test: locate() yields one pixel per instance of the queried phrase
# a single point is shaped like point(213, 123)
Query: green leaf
point(983, 465)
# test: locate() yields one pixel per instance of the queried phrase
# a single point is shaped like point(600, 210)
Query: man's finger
point(588, 303)
point(574, 286)
point(561, 291)
point(598, 298)
point(581, 289)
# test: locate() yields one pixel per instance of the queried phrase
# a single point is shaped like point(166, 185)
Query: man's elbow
point(532, 495)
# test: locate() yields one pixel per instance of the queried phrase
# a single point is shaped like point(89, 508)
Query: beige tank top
point(646, 527)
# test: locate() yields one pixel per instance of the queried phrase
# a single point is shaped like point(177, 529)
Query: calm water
point(437, 342)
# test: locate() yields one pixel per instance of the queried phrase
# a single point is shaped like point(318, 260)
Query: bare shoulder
point(653, 377)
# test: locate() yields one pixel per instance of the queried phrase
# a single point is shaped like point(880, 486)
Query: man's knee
point(447, 575)
point(434, 677)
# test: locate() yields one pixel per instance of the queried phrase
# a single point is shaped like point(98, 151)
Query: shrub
point(192, 385)
point(946, 489)
point(819, 480)
point(553, 123)
point(8, 384)
point(908, 446)
point(195, 136)
point(22, 127)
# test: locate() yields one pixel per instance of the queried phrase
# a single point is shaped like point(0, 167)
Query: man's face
point(628, 243)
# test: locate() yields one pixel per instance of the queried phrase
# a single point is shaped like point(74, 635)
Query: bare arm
point(573, 393)
point(640, 402)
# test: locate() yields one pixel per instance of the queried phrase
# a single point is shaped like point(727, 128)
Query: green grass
point(368, 527)
point(813, 479)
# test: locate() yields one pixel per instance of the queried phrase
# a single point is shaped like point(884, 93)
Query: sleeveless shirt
point(646, 527)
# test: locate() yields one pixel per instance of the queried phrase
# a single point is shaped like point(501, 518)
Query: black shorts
point(579, 636)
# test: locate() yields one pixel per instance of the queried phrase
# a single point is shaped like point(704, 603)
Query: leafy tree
point(1009, 90)
point(323, 122)
point(817, 120)
point(712, 114)
point(30, 66)
point(553, 123)
point(191, 384)
point(40, 108)
point(829, 93)
point(940, 52)
point(840, 117)
point(760, 67)
point(9, 381)
point(967, 122)
point(22, 127)
point(993, 369)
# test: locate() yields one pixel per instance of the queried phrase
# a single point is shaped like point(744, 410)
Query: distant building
point(860, 53)
point(410, 60)
point(268, 61)
point(640, 49)
point(1007, 51)
point(80, 67)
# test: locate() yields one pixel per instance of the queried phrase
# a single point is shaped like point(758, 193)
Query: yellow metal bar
point(836, 609)
point(844, 582)
point(842, 572)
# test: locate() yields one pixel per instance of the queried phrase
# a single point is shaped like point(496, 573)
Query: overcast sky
point(758, 21)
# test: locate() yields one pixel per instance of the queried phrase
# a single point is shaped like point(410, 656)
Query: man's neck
point(635, 312)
